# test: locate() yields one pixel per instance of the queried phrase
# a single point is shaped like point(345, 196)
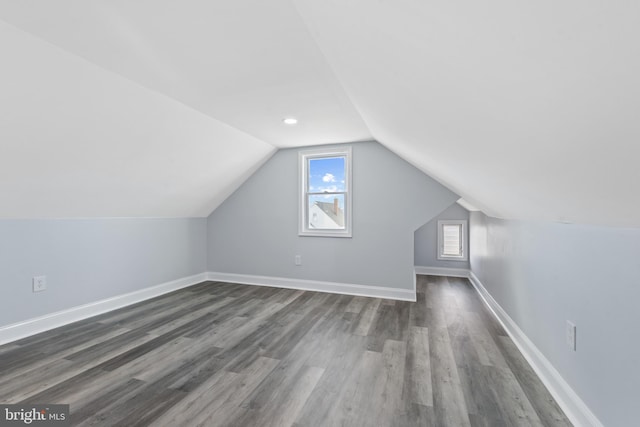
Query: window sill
point(440, 258)
point(324, 234)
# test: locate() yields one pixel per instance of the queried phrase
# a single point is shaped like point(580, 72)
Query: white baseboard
point(315, 285)
point(36, 325)
point(575, 409)
point(442, 271)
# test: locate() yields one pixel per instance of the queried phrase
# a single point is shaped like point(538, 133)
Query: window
point(452, 240)
point(325, 192)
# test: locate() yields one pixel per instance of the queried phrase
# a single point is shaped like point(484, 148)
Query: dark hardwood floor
point(219, 354)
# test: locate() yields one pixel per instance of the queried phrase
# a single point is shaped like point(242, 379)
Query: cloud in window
point(329, 177)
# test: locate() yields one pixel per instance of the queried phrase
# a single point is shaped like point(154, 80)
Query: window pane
point(326, 174)
point(451, 235)
point(325, 199)
point(326, 212)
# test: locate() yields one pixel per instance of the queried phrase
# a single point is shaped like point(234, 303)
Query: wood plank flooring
point(220, 354)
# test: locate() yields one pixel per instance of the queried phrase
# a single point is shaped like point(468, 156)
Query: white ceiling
point(248, 63)
point(526, 109)
point(78, 141)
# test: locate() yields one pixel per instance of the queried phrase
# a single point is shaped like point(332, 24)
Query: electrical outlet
point(298, 260)
point(39, 283)
point(571, 335)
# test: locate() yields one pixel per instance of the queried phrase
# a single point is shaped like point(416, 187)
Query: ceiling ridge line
point(332, 69)
point(350, 97)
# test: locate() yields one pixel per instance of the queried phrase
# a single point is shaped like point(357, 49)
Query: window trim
point(303, 162)
point(463, 240)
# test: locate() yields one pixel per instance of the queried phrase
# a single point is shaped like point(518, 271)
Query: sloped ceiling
point(526, 109)
point(78, 141)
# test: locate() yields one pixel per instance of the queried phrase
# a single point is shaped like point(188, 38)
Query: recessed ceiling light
point(290, 121)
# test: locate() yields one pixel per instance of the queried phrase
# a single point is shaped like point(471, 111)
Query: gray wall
point(255, 231)
point(426, 240)
point(92, 259)
point(543, 274)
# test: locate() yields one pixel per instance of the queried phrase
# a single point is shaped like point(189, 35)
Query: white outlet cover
point(39, 283)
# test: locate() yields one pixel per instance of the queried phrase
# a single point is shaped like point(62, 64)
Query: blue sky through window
point(326, 174)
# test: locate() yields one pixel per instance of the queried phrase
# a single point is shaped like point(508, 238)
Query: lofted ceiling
point(162, 108)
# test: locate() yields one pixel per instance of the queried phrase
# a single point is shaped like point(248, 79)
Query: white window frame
point(463, 240)
point(303, 176)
